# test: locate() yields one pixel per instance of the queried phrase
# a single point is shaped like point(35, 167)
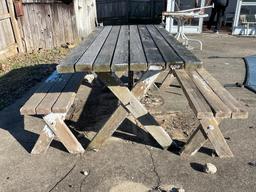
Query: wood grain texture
point(85, 63)
point(68, 94)
point(169, 55)
point(131, 103)
point(63, 133)
point(219, 108)
point(195, 98)
point(238, 111)
point(67, 65)
point(29, 108)
point(138, 60)
point(153, 56)
point(190, 60)
point(43, 142)
point(194, 143)
point(104, 59)
point(211, 128)
point(45, 106)
point(121, 56)
point(121, 113)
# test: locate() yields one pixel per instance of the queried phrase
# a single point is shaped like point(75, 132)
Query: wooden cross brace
point(56, 127)
point(130, 104)
point(208, 130)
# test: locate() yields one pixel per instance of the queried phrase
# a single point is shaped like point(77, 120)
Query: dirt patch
point(19, 73)
point(178, 124)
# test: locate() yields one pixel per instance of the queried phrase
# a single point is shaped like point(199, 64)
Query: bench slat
point(195, 98)
point(191, 61)
point(29, 108)
point(67, 65)
point(68, 94)
point(219, 108)
point(238, 111)
point(51, 97)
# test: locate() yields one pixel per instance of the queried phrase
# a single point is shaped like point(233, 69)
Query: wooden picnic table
point(146, 48)
point(152, 50)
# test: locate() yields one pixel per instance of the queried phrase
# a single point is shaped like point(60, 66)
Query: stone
point(210, 168)
point(84, 172)
point(181, 190)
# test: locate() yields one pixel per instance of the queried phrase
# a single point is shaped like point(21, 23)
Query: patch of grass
point(19, 73)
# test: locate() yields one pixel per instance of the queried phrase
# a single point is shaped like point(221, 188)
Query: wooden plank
point(4, 16)
point(153, 56)
point(66, 137)
point(45, 106)
point(85, 63)
point(9, 50)
point(67, 65)
point(44, 141)
point(219, 108)
point(29, 108)
point(121, 56)
point(212, 130)
point(195, 142)
point(138, 60)
point(169, 55)
point(238, 111)
point(68, 94)
point(81, 98)
point(121, 113)
point(103, 60)
point(130, 102)
point(195, 98)
point(15, 26)
point(190, 60)
point(109, 128)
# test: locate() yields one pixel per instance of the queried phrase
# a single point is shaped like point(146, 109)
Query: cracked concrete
point(123, 163)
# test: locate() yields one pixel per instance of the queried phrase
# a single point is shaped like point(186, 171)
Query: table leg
point(44, 141)
point(208, 130)
point(167, 80)
point(137, 109)
point(57, 125)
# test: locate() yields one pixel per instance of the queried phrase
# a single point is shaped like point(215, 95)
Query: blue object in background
point(250, 79)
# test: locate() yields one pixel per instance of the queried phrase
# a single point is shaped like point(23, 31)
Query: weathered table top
point(128, 48)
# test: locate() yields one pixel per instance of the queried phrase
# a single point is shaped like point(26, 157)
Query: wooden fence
point(45, 24)
point(129, 11)
point(10, 39)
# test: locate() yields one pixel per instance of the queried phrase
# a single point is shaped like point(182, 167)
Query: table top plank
point(67, 65)
point(138, 60)
point(190, 60)
point(103, 60)
point(128, 48)
point(121, 56)
point(154, 58)
point(85, 63)
point(169, 55)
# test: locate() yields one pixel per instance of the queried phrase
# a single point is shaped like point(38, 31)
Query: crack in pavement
point(158, 182)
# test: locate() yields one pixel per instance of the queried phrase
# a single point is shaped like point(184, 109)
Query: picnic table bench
point(152, 50)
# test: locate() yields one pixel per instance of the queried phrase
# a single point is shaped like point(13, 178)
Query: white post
point(169, 20)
